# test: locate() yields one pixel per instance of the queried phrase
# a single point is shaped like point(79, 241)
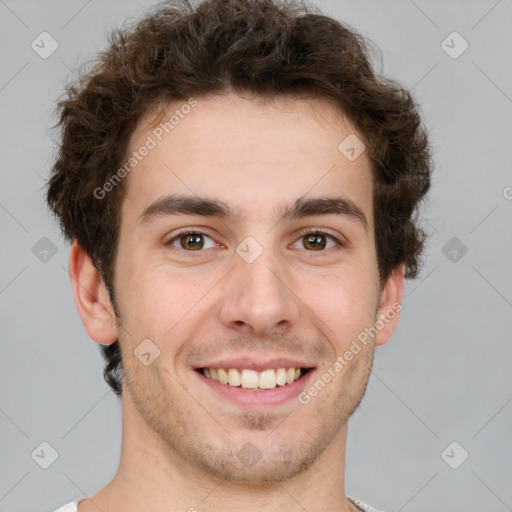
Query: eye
point(192, 241)
point(317, 240)
point(313, 240)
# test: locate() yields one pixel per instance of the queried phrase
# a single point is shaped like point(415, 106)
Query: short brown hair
point(263, 47)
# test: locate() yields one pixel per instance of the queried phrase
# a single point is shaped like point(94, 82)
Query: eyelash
point(309, 231)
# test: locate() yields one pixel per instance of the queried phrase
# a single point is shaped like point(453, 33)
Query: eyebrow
point(208, 207)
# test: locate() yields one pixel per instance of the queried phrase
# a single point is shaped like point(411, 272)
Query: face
point(276, 272)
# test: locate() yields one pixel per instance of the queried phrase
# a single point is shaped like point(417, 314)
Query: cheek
point(159, 302)
point(346, 305)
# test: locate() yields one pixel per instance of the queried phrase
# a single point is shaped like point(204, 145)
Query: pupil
point(193, 241)
point(313, 241)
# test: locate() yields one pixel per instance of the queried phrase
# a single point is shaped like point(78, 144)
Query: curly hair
point(268, 48)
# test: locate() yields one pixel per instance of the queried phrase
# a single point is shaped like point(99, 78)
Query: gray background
point(444, 377)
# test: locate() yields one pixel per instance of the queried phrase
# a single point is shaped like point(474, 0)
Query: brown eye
point(315, 242)
point(191, 241)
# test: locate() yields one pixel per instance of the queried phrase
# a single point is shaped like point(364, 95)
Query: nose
point(258, 298)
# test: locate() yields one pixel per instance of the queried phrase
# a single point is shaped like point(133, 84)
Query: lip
point(258, 364)
point(256, 399)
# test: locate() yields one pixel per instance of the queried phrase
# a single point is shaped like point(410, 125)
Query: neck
point(152, 476)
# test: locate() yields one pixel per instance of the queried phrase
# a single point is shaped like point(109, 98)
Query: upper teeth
point(267, 379)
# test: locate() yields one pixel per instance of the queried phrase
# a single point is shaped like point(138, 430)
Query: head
point(239, 110)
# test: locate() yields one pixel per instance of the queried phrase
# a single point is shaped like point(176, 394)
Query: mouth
point(252, 380)
point(255, 388)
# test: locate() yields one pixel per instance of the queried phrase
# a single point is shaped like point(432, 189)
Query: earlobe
point(390, 306)
point(91, 297)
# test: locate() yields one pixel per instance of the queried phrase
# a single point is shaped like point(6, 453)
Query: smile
point(254, 389)
point(253, 380)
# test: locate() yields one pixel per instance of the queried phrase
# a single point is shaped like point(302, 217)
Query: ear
point(91, 297)
point(390, 305)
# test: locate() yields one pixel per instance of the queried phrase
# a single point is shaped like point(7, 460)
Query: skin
point(180, 439)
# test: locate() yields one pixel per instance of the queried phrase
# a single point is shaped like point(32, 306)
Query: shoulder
point(71, 507)
point(364, 507)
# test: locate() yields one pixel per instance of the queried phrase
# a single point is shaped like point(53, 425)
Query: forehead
point(251, 153)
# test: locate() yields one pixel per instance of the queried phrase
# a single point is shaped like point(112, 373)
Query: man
point(239, 188)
